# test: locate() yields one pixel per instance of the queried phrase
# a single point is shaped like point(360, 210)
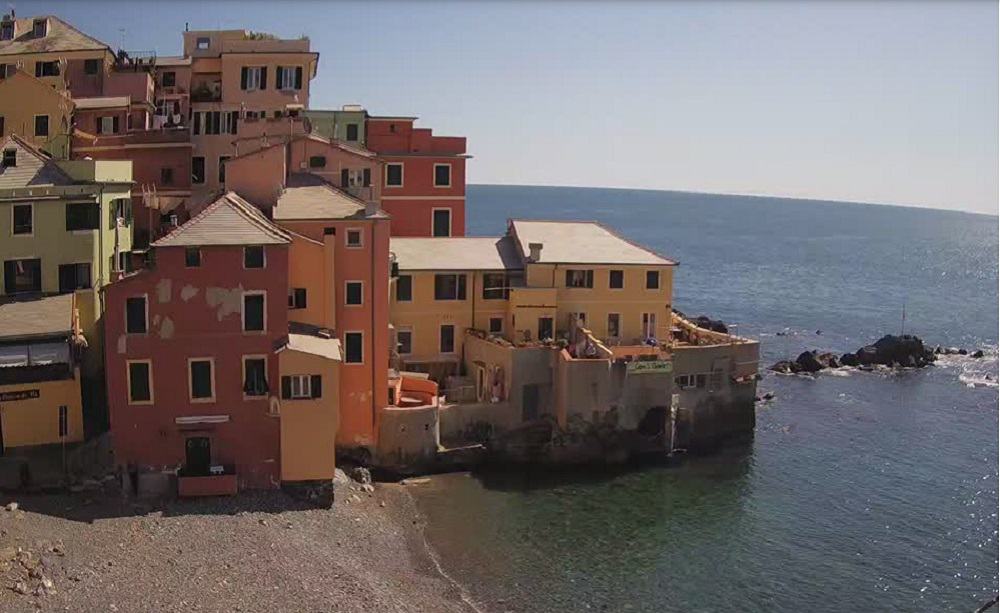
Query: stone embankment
point(906, 351)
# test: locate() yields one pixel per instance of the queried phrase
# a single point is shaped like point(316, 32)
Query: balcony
point(222, 484)
point(207, 91)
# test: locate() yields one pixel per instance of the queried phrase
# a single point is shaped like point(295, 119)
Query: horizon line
point(748, 195)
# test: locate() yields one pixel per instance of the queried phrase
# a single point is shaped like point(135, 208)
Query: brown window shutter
point(263, 77)
point(298, 77)
point(286, 388)
point(243, 77)
point(316, 386)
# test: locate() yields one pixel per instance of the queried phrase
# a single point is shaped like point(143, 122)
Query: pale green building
point(346, 125)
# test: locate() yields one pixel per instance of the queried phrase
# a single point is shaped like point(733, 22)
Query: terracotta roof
point(33, 169)
point(37, 316)
point(103, 102)
point(60, 36)
point(581, 242)
point(307, 196)
point(361, 151)
point(456, 253)
point(230, 220)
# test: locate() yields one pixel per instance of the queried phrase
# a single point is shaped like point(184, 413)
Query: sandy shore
point(254, 552)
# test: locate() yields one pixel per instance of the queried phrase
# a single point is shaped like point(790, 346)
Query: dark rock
point(828, 360)
point(963, 352)
point(938, 350)
point(849, 359)
point(710, 324)
point(867, 355)
point(978, 354)
point(786, 366)
point(361, 474)
point(808, 363)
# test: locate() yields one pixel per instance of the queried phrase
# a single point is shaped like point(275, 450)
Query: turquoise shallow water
point(859, 492)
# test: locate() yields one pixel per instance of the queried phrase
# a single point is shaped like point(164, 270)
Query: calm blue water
point(860, 492)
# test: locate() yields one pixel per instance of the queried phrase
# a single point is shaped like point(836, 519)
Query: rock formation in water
point(906, 351)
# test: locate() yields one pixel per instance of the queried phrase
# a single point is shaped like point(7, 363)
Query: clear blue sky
point(889, 102)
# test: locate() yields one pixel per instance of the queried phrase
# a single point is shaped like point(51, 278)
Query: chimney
point(535, 252)
point(371, 208)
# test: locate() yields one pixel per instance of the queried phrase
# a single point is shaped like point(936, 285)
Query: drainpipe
point(371, 293)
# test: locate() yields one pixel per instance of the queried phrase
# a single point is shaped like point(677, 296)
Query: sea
point(860, 491)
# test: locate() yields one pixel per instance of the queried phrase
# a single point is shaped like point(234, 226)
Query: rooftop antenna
point(902, 323)
point(121, 31)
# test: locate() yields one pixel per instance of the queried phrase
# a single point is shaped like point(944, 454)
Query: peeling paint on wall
point(163, 290)
point(156, 320)
point(188, 292)
point(167, 329)
point(225, 301)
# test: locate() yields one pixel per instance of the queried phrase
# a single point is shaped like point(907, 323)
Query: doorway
point(545, 328)
point(197, 455)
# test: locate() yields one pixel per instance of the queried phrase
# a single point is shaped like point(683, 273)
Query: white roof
point(581, 242)
point(316, 345)
point(103, 102)
point(455, 253)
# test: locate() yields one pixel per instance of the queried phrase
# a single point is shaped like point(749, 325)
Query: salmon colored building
point(423, 186)
point(195, 377)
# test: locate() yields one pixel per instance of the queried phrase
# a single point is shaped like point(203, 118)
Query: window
point(404, 342)
point(317, 161)
point(7, 30)
point(253, 257)
point(616, 279)
point(9, 158)
point(202, 379)
point(253, 312)
point(649, 325)
point(352, 293)
point(297, 298)
point(73, 277)
point(23, 219)
point(168, 79)
point(203, 42)
point(614, 325)
point(91, 66)
point(47, 69)
point(366, 176)
point(449, 287)
point(39, 27)
point(122, 263)
point(140, 381)
point(215, 122)
point(253, 77)
point(136, 315)
point(83, 216)
point(299, 387)
point(255, 376)
point(495, 286)
point(21, 276)
point(63, 421)
point(222, 168)
point(41, 125)
point(121, 208)
point(352, 132)
point(545, 328)
point(442, 175)
point(685, 382)
point(192, 257)
point(197, 169)
point(289, 77)
point(353, 238)
point(107, 125)
point(447, 338)
point(652, 279)
point(441, 222)
point(167, 176)
point(404, 288)
point(496, 325)
point(394, 175)
point(354, 347)
point(579, 278)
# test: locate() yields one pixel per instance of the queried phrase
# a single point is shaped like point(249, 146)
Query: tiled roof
point(230, 220)
point(33, 169)
point(455, 253)
point(307, 196)
point(581, 242)
point(37, 316)
point(103, 102)
point(60, 36)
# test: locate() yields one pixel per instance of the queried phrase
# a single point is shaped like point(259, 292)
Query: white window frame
point(489, 324)
point(643, 325)
point(128, 381)
point(344, 341)
point(108, 124)
point(253, 72)
point(451, 219)
point(304, 384)
point(243, 310)
point(616, 289)
point(402, 174)
point(659, 280)
point(434, 178)
point(409, 331)
point(288, 74)
point(191, 397)
point(243, 379)
point(31, 206)
point(202, 39)
point(361, 238)
point(362, 284)
point(145, 298)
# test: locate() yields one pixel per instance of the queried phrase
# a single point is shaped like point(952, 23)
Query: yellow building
point(40, 400)
point(37, 112)
point(543, 280)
